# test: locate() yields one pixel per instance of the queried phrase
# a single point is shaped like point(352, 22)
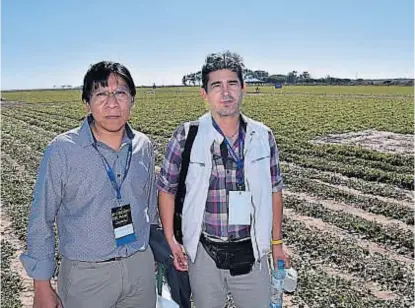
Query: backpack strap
point(181, 189)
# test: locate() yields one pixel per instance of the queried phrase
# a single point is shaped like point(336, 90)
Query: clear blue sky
point(50, 42)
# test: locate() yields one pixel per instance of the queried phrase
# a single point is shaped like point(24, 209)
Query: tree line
point(294, 77)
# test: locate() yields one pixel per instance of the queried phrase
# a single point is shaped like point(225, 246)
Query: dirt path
point(381, 141)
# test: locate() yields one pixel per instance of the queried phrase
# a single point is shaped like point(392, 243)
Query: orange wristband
point(276, 242)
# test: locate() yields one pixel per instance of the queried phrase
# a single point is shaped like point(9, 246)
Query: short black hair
point(220, 61)
point(97, 76)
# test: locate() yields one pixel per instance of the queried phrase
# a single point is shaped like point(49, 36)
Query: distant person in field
point(98, 183)
point(232, 209)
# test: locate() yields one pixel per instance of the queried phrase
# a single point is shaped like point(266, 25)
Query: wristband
point(276, 242)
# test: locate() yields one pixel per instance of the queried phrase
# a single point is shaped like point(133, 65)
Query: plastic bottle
point(290, 281)
point(277, 282)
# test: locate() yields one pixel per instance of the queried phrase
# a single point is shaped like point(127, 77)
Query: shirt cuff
point(279, 187)
point(164, 187)
point(38, 269)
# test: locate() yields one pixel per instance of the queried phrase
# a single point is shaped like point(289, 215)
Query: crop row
point(404, 181)
point(31, 136)
point(35, 138)
point(22, 153)
point(33, 118)
point(316, 288)
point(71, 111)
point(302, 119)
point(373, 188)
point(10, 279)
point(16, 191)
point(331, 290)
point(318, 247)
point(292, 151)
point(391, 236)
point(37, 124)
point(357, 152)
point(372, 205)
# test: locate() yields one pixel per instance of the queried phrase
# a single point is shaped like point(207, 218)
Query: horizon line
point(70, 87)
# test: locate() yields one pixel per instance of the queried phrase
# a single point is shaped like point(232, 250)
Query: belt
point(224, 244)
point(112, 259)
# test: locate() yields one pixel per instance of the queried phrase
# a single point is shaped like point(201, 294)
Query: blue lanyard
point(110, 172)
point(238, 158)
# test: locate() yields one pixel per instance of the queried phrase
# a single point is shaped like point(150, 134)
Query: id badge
point(240, 208)
point(123, 225)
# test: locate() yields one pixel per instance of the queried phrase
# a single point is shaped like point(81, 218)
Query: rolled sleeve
point(39, 259)
point(38, 269)
point(168, 179)
point(276, 175)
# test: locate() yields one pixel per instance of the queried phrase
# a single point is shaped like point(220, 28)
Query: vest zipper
point(252, 201)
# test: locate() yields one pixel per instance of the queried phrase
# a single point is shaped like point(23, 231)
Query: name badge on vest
point(240, 208)
point(123, 225)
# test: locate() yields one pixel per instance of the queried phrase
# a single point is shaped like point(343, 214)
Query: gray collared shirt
point(74, 189)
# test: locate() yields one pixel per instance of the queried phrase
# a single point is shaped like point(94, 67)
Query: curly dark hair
point(222, 60)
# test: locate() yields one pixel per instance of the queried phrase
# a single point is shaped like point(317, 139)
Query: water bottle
point(277, 282)
point(290, 281)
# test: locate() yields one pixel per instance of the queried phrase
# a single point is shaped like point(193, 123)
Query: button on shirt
point(73, 187)
point(222, 180)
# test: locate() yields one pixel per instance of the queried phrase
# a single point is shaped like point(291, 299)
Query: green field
point(349, 213)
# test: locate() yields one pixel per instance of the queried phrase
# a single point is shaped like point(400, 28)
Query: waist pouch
point(237, 257)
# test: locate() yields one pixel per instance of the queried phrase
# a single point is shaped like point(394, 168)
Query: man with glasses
point(98, 182)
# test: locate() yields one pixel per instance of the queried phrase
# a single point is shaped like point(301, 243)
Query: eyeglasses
point(121, 95)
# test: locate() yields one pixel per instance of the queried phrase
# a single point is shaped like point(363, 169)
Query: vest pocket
point(195, 172)
point(259, 159)
point(258, 152)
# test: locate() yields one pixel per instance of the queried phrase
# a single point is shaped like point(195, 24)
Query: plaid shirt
point(222, 180)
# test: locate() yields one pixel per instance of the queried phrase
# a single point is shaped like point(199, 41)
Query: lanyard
point(238, 158)
point(110, 172)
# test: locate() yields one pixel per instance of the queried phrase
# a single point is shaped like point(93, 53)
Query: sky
point(52, 43)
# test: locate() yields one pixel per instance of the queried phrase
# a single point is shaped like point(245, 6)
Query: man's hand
point(280, 253)
point(179, 258)
point(45, 295)
point(166, 209)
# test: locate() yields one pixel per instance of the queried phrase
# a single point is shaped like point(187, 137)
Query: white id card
point(240, 208)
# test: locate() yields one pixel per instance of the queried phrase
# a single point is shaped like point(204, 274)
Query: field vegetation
point(349, 212)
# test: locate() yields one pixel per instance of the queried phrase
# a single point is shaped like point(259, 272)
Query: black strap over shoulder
point(181, 189)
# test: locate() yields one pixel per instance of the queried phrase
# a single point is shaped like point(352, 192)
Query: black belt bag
point(237, 257)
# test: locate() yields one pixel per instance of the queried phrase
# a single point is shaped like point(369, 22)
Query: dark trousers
point(178, 281)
